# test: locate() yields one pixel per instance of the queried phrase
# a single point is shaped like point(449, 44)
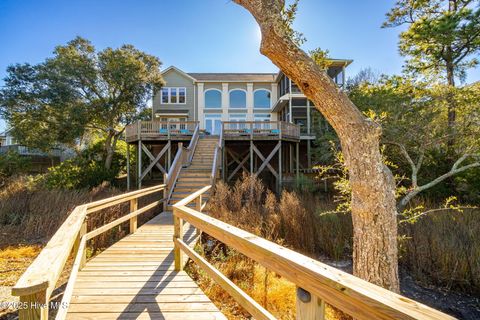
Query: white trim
point(170, 95)
point(260, 89)
point(204, 97)
point(179, 71)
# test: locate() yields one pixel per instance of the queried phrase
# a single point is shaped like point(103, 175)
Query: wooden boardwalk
point(135, 279)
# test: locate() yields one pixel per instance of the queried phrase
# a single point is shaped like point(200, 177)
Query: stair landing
point(135, 279)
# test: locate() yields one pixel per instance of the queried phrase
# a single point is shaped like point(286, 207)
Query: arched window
point(213, 98)
point(238, 99)
point(261, 99)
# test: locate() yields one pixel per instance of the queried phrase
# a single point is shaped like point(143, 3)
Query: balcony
point(160, 130)
point(260, 130)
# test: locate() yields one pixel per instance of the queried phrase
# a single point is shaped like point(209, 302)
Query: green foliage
point(12, 163)
point(78, 91)
point(87, 170)
point(304, 184)
point(321, 57)
point(442, 36)
point(288, 15)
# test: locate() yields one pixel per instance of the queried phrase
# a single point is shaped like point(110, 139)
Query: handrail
point(172, 175)
point(218, 149)
point(319, 282)
point(148, 129)
point(193, 143)
point(37, 283)
point(261, 128)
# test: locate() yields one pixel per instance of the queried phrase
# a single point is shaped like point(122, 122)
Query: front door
point(213, 124)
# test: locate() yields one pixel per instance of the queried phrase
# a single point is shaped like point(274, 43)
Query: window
point(238, 99)
point(261, 117)
point(172, 95)
point(261, 99)
point(213, 98)
point(238, 117)
point(213, 123)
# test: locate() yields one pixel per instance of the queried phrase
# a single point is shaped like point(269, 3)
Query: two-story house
point(260, 123)
point(216, 98)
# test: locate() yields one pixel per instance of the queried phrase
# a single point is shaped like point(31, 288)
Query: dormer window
point(173, 95)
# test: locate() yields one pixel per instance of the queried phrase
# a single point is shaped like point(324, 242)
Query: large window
point(241, 118)
point(171, 95)
point(260, 117)
point(261, 99)
point(213, 123)
point(238, 99)
point(213, 98)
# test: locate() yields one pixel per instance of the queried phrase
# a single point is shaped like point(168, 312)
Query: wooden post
point(251, 157)
point(177, 234)
point(297, 159)
point(165, 192)
point(133, 220)
point(198, 207)
point(34, 306)
point(279, 182)
point(128, 167)
point(139, 159)
point(309, 307)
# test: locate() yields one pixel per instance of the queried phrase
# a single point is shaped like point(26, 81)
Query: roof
point(234, 77)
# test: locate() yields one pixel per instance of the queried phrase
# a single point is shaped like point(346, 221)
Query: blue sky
point(197, 36)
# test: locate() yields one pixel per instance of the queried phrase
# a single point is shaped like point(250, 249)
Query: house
point(265, 123)
point(40, 161)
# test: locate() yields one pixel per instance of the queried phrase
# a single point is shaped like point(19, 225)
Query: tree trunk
point(373, 190)
point(109, 149)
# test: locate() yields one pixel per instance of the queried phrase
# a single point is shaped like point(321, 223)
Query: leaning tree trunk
point(373, 198)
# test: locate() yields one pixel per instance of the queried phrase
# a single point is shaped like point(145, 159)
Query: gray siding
point(173, 78)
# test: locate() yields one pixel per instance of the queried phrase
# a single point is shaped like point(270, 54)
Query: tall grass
point(441, 249)
point(284, 220)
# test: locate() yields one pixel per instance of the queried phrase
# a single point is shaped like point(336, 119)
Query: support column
point(251, 157)
point(200, 104)
point(290, 116)
point(297, 156)
point(250, 102)
point(290, 157)
point(128, 167)
point(309, 124)
point(279, 182)
point(309, 155)
point(225, 101)
point(139, 167)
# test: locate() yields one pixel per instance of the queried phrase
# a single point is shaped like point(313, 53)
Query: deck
point(231, 130)
point(135, 279)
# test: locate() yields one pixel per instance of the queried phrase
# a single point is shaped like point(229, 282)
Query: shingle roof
point(239, 77)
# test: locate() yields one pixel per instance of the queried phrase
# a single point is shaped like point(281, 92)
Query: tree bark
point(373, 190)
point(109, 149)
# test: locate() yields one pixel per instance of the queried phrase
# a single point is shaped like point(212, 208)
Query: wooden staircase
point(197, 174)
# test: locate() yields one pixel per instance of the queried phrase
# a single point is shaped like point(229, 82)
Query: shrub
point(78, 173)
point(87, 170)
point(12, 163)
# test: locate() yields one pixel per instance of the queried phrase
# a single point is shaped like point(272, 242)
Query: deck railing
point(155, 129)
point(255, 129)
point(36, 285)
point(317, 283)
point(216, 158)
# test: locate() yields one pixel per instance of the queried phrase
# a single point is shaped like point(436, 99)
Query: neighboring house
point(213, 98)
point(40, 160)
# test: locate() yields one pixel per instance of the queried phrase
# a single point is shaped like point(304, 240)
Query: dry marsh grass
point(284, 220)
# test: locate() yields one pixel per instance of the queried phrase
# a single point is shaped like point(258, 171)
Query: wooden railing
point(36, 285)
point(216, 158)
point(317, 283)
point(182, 158)
point(253, 129)
point(193, 144)
point(156, 129)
